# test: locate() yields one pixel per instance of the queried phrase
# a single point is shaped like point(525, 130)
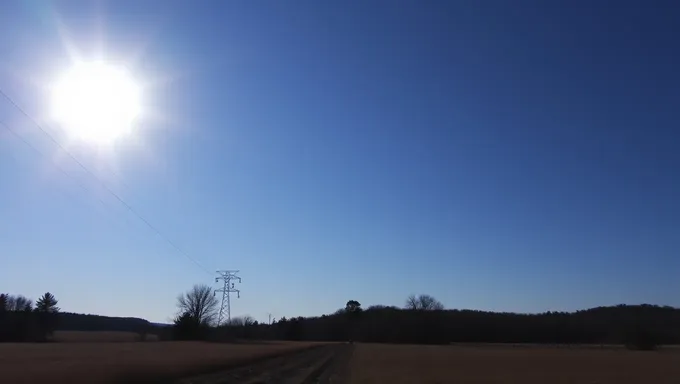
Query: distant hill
point(161, 325)
point(82, 322)
point(614, 324)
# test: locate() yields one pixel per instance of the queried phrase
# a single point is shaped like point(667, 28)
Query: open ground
point(290, 362)
point(125, 362)
point(374, 363)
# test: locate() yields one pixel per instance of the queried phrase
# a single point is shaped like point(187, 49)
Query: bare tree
point(248, 320)
point(412, 302)
point(423, 303)
point(244, 321)
point(17, 303)
point(199, 304)
point(429, 303)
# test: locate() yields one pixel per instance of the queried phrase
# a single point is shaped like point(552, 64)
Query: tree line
point(423, 319)
point(20, 320)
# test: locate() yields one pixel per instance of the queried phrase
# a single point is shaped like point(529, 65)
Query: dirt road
point(318, 365)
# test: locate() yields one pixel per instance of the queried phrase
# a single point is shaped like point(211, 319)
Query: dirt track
point(322, 364)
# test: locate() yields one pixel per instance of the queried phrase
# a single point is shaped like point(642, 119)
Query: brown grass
point(111, 362)
point(394, 364)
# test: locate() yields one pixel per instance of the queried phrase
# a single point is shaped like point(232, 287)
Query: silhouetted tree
point(340, 311)
point(353, 306)
point(423, 303)
point(18, 323)
point(187, 327)
point(243, 321)
point(602, 325)
point(4, 302)
point(243, 327)
point(18, 303)
point(17, 320)
point(639, 327)
point(47, 310)
point(4, 321)
point(353, 309)
point(47, 303)
point(199, 303)
point(197, 311)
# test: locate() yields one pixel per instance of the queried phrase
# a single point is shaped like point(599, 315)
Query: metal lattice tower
point(228, 288)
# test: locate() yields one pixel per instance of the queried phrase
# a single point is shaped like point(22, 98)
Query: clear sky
point(499, 155)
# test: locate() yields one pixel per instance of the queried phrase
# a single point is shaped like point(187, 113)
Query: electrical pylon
point(228, 288)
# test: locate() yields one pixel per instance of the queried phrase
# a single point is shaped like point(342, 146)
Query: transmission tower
point(227, 277)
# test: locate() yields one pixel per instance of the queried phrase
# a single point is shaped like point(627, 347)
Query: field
point(373, 363)
point(289, 362)
point(119, 362)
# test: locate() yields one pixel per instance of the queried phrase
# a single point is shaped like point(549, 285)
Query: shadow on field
point(258, 342)
point(590, 347)
point(139, 376)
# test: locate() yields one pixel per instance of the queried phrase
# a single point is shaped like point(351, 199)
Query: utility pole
point(270, 318)
point(225, 309)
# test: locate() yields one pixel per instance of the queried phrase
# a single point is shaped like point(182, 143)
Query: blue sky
point(515, 156)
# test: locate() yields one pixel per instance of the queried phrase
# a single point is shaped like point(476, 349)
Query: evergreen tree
point(47, 311)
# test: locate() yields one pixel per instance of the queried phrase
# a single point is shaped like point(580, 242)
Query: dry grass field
point(101, 362)
point(373, 363)
point(117, 362)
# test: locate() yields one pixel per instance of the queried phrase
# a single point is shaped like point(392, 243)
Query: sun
point(96, 102)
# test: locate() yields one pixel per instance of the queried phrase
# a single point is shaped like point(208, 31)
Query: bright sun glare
point(96, 102)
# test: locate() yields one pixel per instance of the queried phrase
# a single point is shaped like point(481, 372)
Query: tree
point(47, 303)
point(199, 304)
point(196, 313)
point(4, 302)
point(187, 328)
point(639, 327)
point(423, 303)
point(18, 303)
point(47, 310)
point(241, 327)
point(353, 306)
point(17, 321)
point(244, 321)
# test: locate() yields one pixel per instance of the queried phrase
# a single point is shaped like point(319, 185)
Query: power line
point(55, 165)
point(114, 194)
point(225, 308)
point(36, 150)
